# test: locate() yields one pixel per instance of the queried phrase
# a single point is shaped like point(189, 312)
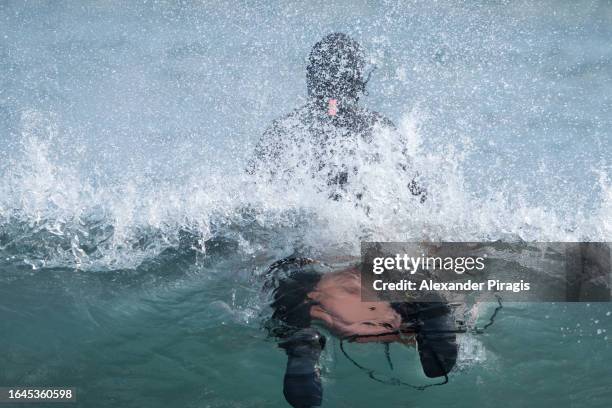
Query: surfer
point(334, 124)
point(306, 296)
point(332, 120)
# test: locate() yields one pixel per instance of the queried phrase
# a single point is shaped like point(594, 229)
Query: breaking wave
point(58, 209)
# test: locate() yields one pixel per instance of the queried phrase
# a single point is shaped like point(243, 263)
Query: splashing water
point(131, 237)
point(54, 215)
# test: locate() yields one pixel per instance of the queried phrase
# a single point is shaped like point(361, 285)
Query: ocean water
point(132, 242)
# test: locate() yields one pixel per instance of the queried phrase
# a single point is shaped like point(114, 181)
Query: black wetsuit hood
point(335, 70)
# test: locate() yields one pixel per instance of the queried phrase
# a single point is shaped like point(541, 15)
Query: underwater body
point(133, 242)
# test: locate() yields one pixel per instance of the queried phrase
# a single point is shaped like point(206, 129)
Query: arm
point(436, 337)
point(417, 189)
point(266, 152)
point(291, 280)
point(414, 186)
point(302, 382)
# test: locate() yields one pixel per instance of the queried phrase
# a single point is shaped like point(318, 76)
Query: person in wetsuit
point(303, 297)
point(332, 120)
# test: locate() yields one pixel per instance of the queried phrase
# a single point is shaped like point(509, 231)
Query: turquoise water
point(190, 339)
point(131, 241)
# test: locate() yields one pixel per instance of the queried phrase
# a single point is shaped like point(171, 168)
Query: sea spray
point(55, 213)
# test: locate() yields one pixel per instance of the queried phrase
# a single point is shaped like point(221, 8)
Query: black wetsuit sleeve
point(291, 305)
point(417, 189)
point(437, 342)
point(267, 151)
point(436, 337)
point(291, 280)
point(414, 186)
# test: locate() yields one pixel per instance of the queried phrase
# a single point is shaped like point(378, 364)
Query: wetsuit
point(332, 137)
point(292, 280)
point(323, 137)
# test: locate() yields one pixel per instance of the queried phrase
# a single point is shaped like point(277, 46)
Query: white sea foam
point(52, 212)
